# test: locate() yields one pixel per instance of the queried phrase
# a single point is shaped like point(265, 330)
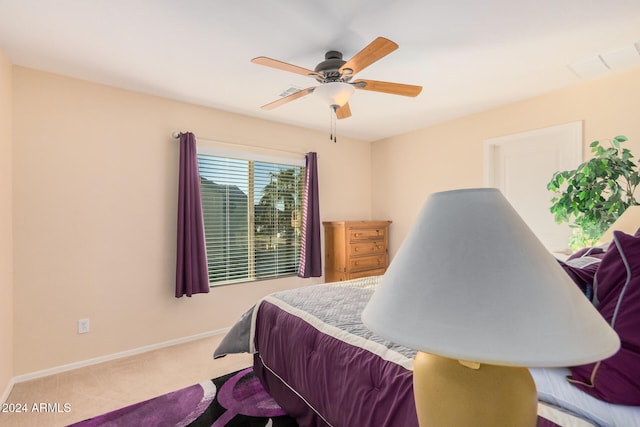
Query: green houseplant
point(592, 196)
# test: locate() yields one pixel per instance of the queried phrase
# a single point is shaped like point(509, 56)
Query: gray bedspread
point(336, 304)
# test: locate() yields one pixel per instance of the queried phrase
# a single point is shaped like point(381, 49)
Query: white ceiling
point(469, 55)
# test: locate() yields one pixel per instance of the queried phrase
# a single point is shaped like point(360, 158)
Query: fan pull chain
point(333, 136)
point(330, 123)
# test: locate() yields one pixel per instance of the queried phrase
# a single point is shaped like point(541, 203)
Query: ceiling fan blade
point(289, 98)
point(375, 50)
point(343, 112)
point(387, 87)
point(274, 63)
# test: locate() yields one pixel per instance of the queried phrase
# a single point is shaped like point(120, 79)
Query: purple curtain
point(310, 256)
point(191, 261)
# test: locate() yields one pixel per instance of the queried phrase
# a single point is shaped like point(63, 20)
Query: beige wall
point(450, 155)
point(95, 193)
point(6, 227)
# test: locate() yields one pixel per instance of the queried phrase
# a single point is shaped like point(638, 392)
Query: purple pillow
point(617, 298)
point(582, 271)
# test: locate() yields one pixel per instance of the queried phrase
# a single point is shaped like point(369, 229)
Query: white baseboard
point(7, 391)
point(114, 356)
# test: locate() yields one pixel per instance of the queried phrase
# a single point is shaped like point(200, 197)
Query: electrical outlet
point(83, 326)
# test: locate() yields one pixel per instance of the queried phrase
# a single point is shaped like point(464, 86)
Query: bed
point(313, 354)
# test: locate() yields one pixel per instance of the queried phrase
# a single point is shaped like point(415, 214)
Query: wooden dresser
point(355, 249)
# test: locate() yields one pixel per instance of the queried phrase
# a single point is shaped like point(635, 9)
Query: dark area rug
point(233, 400)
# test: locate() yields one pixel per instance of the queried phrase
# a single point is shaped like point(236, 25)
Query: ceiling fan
point(334, 75)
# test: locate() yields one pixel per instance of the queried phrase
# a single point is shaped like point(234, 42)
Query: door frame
point(571, 129)
point(570, 135)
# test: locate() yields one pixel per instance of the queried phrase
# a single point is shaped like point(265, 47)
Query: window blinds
point(251, 215)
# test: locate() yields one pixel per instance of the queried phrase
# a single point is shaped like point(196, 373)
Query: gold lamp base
point(449, 393)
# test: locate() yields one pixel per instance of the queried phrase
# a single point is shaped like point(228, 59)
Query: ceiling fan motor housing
point(330, 67)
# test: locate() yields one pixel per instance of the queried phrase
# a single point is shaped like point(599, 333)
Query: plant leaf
point(620, 138)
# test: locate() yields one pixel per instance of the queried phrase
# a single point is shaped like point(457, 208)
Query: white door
point(521, 165)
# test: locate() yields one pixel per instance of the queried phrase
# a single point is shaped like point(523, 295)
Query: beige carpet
point(101, 388)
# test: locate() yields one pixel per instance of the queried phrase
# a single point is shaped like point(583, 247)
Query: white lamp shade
point(334, 93)
point(472, 282)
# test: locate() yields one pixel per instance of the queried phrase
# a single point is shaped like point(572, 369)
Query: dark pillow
point(617, 298)
point(582, 271)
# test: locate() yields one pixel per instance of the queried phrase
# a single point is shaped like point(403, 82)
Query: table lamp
point(480, 298)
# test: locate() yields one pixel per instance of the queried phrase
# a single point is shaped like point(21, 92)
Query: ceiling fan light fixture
point(334, 93)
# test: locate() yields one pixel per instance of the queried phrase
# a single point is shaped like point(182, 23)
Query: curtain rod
point(176, 135)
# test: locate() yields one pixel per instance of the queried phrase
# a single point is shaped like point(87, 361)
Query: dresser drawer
point(367, 248)
point(367, 263)
point(366, 273)
point(359, 234)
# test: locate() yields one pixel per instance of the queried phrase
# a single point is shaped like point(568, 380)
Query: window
point(252, 216)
